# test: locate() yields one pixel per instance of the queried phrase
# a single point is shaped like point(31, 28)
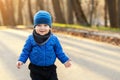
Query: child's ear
point(35, 28)
point(50, 29)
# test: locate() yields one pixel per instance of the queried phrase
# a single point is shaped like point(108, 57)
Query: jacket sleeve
point(59, 52)
point(25, 51)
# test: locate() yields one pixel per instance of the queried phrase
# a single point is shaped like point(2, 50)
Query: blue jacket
point(44, 54)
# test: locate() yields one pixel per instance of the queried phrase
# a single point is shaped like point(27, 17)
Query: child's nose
point(42, 26)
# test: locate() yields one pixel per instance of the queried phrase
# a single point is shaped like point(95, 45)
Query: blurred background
point(89, 31)
point(82, 12)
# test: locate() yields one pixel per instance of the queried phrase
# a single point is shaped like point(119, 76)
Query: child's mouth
point(42, 31)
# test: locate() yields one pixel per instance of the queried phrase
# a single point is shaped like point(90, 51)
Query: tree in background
point(40, 4)
point(106, 14)
point(10, 12)
point(113, 12)
point(7, 12)
point(30, 11)
point(20, 12)
point(58, 12)
point(81, 18)
point(3, 13)
point(69, 12)
point(118, 3)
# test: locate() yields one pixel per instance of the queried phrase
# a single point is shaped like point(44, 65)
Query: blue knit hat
point(42, 17)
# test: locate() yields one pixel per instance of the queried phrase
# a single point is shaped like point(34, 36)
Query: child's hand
point(67, 64)
point(19, 64)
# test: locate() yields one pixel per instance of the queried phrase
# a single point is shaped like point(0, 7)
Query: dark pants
point(43, 73)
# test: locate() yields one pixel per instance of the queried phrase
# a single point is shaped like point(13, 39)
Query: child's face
point(42, 29)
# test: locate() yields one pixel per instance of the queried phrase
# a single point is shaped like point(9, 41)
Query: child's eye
point(45, 25)
point(39, 25)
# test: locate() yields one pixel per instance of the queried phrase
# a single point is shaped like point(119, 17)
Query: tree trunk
point(118, 13)
point(30, 11)
point(69, 12)
point(106, 13)
point(3, 13)
point(7, 12)
point(112, 9)
point(10, 11)
point(58, 12)
point(81, 19)
point(40, 4)
point(20, 16)
point(91, 12)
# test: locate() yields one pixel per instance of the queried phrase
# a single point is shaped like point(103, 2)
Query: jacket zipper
point(44, 55)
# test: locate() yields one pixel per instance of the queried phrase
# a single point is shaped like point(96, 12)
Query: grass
point(107, 29)
point(74, 26)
